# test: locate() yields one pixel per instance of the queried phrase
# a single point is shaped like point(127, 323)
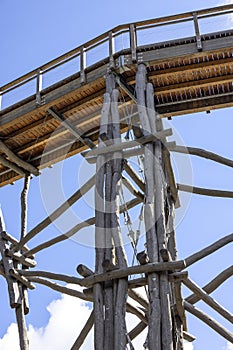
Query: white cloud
point(67, 316)
point(229, 346)
point(188, 346)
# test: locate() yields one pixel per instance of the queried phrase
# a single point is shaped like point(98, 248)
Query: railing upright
point(83, 65)
point(111, 46)
point(133, 42)
point(197, 32)
point(39, 77)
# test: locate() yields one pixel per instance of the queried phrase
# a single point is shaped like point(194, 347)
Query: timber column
point(160, 321)
point(110, 297)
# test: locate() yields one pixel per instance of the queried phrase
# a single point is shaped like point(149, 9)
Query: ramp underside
point(186, 80)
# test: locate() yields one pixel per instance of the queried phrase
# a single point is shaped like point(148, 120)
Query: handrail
point(109, 36)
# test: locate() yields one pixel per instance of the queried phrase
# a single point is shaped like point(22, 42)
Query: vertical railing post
point(38, 87)
point(82, 65)
point(197, 32)
point(111, 47)
point(133, 42)
point(1, 94)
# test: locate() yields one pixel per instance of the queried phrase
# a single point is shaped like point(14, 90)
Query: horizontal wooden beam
point(59, 116)
point(17, 160)
point(129, 144)
point(12, 166)
point(134, 270)
point(205, 191)
point(192, 84)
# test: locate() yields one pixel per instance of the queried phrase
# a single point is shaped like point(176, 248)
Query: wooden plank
point(192, 84)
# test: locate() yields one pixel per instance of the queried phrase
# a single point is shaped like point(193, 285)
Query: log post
point(122, 284)
point(154, 316)
point(100, 234)
point(108, 255)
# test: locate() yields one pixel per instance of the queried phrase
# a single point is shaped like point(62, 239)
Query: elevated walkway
point(190, 74)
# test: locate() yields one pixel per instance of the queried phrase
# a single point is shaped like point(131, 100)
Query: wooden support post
point(99, 249)
point(106, 135)
point(154, 317)
point(122, 285)
point(22, 329)
point(13, 289)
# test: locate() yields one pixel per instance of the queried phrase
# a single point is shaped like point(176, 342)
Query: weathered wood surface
point(100, 235)
point(209, 321)
point(109, 293)
point(12, 166)
point(111, 275)
point(208, 250)
point(205, 191)
point(59, 288)
point(22, 329)
point(154, 315)
point(129, 144)
point(13, 288)
point(91, 221)
point(207, 299)
point(17, 160)
point(204, 154)
point(122, 285)
point(212, 285)
point(59, 211)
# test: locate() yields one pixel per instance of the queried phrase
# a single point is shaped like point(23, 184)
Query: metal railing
point(132, 30)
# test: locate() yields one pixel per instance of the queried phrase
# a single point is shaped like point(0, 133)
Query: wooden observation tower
point(156, 80)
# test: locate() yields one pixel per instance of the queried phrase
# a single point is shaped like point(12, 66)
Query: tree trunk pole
point(100, 234)
point(154, 322)
point(122, 284)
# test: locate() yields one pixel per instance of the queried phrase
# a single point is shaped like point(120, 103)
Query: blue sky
point(35, 32)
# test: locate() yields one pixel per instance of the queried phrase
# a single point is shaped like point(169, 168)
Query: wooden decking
point(189, 75)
